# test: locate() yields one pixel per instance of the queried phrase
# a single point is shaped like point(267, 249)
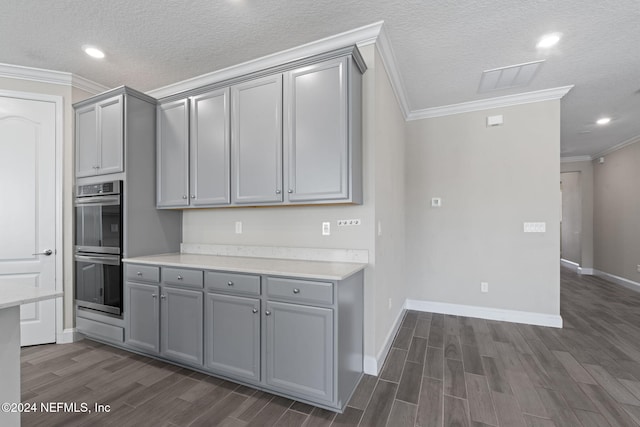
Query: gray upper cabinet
point(173, 154)
point(232, 335)
point(256, 141)
point(210, 150)
point(100, 137)
point(317, 140)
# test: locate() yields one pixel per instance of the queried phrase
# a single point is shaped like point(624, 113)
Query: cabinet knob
point(267, 313)
point(230, 283)
point(139, 273)
point(163, 297)
point(296, 291)
point(278, 191)
point(184, 196)
point(255, 310)
point(179, 277)
point(290, 191)
point(193, 196)
point(154, 295)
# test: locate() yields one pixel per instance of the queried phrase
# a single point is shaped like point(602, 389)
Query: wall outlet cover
point(326, 228)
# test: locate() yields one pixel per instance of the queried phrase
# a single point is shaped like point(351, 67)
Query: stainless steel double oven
point(98, 247)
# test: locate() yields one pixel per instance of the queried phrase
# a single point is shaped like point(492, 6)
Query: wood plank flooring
point(442, 371)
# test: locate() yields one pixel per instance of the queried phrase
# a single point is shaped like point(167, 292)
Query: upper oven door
point(98, 224)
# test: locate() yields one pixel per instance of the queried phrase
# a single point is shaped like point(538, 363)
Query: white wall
point(617, 213)
point(491, 181)
point(69, 95)
point(586, 197)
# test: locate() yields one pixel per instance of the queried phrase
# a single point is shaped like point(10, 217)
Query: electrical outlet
point(484, 287)
point(238, 227)
point(638, 268)
point(326, 228)
point(348, 222)
point(390, 303)
point(379, 228)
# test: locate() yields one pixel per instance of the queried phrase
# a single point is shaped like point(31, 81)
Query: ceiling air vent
point(508, 77)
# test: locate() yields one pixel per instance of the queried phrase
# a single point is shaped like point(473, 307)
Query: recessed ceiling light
point(603, 121)
point(548, 40)
point(93, 52)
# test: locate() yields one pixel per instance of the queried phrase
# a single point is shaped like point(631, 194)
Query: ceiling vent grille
point(508, 77)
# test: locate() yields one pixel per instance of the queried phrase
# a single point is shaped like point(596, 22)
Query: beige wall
point(571, 232)
point(616, 216)
point(69, 95)
point(491, 181)
point(586, 198)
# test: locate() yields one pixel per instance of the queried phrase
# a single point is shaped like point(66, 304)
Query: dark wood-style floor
point(442, 371)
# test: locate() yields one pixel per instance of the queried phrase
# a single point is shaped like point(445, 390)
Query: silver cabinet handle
point(184, 196)
point(179, 277)
point(255, 310)
point(230, 283)
point(163, 297)
point(290, 190)
point(154, 295)
point(139, 273)
point(267, 313)
point(278, 191)
point(193, 196)
point(296, 291)
point(47, 252)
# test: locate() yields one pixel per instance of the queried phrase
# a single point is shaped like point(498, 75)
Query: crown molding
point(383, 45)
point(497, 102)
point(50, 76)
point(367, 35)
point(575, 159)
point(618, 146)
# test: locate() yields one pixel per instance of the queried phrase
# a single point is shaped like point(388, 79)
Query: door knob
point(47, 252)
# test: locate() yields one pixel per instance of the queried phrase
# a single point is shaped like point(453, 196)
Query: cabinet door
point(256, 141)
point(143, 311)
point(232, 335)
point(299, 350)
point(317, 141)
point(210, 156)
point(86, 141)
point(111, 135)
point(181, 325)
point(173, 154)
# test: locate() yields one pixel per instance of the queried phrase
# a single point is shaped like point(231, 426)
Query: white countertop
point(12, 295)
point(273, 266)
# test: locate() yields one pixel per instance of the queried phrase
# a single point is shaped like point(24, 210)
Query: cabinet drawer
point(182, 277)
point(231, 282)
point(144, 273)
point(100, 330)
point(302, 291)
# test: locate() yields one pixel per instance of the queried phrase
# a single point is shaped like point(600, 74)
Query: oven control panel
point(103, 188)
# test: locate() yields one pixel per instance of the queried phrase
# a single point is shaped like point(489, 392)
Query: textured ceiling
point(441, 46)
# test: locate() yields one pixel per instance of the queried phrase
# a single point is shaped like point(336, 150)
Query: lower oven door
point(99, 282)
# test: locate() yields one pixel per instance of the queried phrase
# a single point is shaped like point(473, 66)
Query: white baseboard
point(68, 336)
point(527, 317)
point(586, 271)
point(372, 365)
point(629, 284)
point(570, 264)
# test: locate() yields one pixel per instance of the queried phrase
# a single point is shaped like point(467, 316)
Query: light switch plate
point(238, 227)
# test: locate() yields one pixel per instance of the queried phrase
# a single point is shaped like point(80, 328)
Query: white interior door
point(28, 208)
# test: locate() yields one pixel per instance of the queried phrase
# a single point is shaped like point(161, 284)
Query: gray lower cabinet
point(143, 308)
point(181, 324)
point(299, 350)
point(164, 319)
point(232, 336)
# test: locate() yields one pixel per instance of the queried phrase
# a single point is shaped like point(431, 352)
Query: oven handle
point(110, 260)
point(98, 200)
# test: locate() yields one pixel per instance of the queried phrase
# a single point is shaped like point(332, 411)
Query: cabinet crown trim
point(113, 92)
